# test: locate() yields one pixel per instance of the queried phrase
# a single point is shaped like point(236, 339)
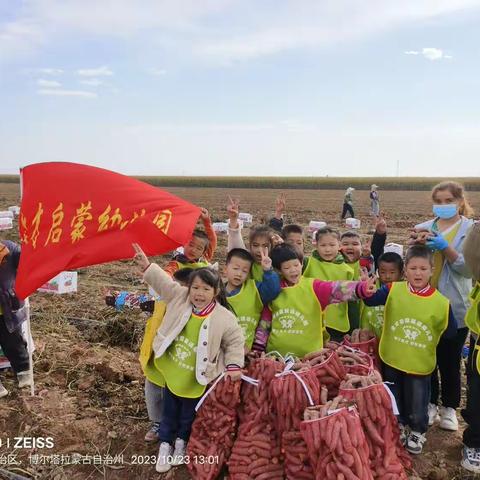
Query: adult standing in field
point(12, 315)
point(348, 203)
point(445, 235)
point(374, 201)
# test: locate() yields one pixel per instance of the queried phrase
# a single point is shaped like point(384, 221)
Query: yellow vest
point(472, 318)
point(256, 272)
point(297, 326)
point(412, 329)
point(146, 349)
point(371, 318)
point(194, 265)
point(178, 363)
point(247, 306)
point(335, 316)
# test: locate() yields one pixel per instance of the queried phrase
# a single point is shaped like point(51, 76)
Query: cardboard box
point(245, 217)
point(6, 214)
point(14, 209)
point(352, 223)
point(220, 227)
point(6, 223)
point(64, 282)
point(315, 225)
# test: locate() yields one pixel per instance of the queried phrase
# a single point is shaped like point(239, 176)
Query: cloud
point(92, 82)
point(95, 72)
point(48, 83)
point(215, 31)
point(50, 71)
point(158, 72)
point(67, 93)
point(430, 53)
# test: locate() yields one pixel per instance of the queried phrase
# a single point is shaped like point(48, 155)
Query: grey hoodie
point(455, 281)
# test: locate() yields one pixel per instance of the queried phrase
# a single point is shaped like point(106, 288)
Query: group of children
point(275, 298)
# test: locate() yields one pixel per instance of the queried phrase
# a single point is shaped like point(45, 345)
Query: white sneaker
point(471, 459)
point(164, 461)
point(448, 419)
point(432, 414)
point(3, 391)
point(24, 379)
point(415, 442)
point(179, 452)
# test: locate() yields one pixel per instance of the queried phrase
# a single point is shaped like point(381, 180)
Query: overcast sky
point(242, 87)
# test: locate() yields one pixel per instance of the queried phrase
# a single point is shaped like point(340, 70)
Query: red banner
point(75, 215)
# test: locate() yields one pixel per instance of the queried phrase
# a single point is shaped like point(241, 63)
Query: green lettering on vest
point(248, 307)
point(412, 329)
point(336, 316)
point(178, 363)
point(296, 320)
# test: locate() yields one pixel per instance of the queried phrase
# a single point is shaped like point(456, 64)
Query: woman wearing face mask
point(445, 235)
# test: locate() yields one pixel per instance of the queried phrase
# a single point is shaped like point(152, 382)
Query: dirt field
point(89, 386)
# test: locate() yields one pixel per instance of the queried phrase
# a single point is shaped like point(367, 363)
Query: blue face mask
point(445, 211)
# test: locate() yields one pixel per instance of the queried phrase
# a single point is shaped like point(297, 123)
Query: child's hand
point(233, 211)
point(280, 204)
point(276, 239)
point(371, 286)
point(205, 216)
point(266, 260)
point(234, 375)
point(140, 258)
point(381, 224)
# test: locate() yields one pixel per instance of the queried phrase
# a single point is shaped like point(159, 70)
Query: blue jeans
point(177, 418)
point(412, 393)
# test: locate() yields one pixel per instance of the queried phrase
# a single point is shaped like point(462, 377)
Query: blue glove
point(437, 242)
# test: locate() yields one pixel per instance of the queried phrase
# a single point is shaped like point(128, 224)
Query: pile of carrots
point(325, 416)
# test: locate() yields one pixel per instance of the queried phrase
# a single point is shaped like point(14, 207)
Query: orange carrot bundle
point(256, 450)
point(213, 430)
point(388, 458)
point(328, 369)
point(366, 342)
point(336, 445)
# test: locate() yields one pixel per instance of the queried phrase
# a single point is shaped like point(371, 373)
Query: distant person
point(374, 201)
point(12, 315)
point(348, 203)
point(445, 235)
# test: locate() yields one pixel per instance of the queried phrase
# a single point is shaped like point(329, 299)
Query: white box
point(245, 217)
point(315, 225)
point(220, 227)
point(14, 209)
point(352, 223)
point(393, 247)
point(314, 242)
point(6, 214)
point(6, 223)
point(64, 282)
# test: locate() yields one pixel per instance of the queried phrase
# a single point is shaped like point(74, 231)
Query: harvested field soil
point(89, 386)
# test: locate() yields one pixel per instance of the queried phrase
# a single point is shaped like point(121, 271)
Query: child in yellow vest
point(260, 238)
point(390, 269)
point(415, 318)
point(297, 324)
point(471, 412)
point(198, 340)
point(327, 263)
point(154, 382)
point(245, 296)
point(199, 250)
